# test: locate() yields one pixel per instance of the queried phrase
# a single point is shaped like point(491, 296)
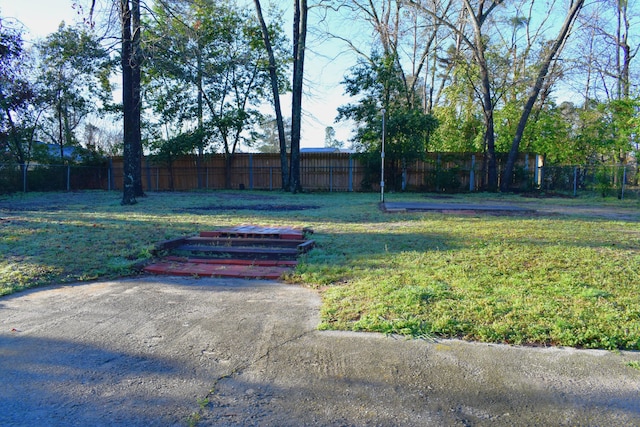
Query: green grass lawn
point(566, 278)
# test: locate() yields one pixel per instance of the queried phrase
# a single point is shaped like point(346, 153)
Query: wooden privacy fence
point(322, 172)
point(326, 172)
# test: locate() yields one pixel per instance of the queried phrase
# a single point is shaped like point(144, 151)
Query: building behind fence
point(450, 172)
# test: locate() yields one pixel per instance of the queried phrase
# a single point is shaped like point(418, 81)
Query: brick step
point(257, 232)
point(257, 262)
point(246, 251)
point(230, 241)
point(217, 270)
point(238, 251)
point(302, 246)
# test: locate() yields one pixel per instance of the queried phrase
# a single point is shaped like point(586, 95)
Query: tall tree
point(299, 47)
point(478, 17)
point(131, 100)
point(74, 77)
point(378, 86)
point(545, 65)
point(216, 51)
point(268, 140)
point(481, 26)
point(275, 91)
point(330, 140)
point(17, 95)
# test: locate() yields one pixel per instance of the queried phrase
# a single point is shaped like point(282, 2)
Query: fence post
point(472, 174)
point(575, 181)
point(68, 178)
point(270, 177)
point(526, 170)
point(539, 172)
point(24, 177)
point(330, 177)
point(350, 173)
point(404, 174)
point(250, 171)
point(109, 174)
point(624, 181)
point(146, 160)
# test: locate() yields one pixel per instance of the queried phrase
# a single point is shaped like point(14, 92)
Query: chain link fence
point(621, 181)
point(36, 177)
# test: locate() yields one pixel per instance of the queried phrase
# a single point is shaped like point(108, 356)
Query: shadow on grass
point(94, 237)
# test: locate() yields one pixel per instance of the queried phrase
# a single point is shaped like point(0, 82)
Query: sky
point(323, 73)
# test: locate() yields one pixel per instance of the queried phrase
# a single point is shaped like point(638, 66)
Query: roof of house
point(326, 150)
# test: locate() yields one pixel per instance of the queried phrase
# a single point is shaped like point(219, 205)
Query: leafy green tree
point(284, 140)
point(166, 151)
point(378, 86)
point(591, 134)
point(268, 138)
point(212, 52)
point(330, 140)
point(610, 129)
point(460, 121)
point(551, 135)
point(623, 118)
point(74, 82)
point(547, 61)
point(18, 115)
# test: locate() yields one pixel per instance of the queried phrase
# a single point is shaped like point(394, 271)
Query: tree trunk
point(60, 133)
point(489, 134)
point(228, 162)
point(129, 194)
point(542, 74)
point(200, 155)
point(299, 41)
point(136, 57)
point(130, 17)
point(478, 46)
point(284, 164)
point(623, 45)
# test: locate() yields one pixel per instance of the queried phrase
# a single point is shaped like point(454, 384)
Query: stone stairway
point(245, 252)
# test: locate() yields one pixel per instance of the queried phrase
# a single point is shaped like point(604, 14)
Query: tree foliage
point(17, 98)
point(380, 90)
point(211, 53)
point(73, 82)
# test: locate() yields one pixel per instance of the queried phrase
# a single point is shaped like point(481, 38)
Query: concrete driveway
point(173, 351)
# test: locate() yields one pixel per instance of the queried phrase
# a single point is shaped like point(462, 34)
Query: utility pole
point(382, 158)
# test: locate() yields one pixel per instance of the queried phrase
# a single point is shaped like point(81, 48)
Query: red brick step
point(245, 251)
point(217, 270)
point(262, 263)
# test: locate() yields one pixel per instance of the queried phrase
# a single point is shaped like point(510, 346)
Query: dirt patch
point(594, 212)
point(243, 196)
point(266, 207)
point(547, 195)
point(438, 196)
point(31, 207)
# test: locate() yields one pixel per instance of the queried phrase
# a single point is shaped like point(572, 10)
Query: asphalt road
point(172, 351)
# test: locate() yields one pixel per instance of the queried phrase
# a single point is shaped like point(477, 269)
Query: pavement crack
point(240, 368)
